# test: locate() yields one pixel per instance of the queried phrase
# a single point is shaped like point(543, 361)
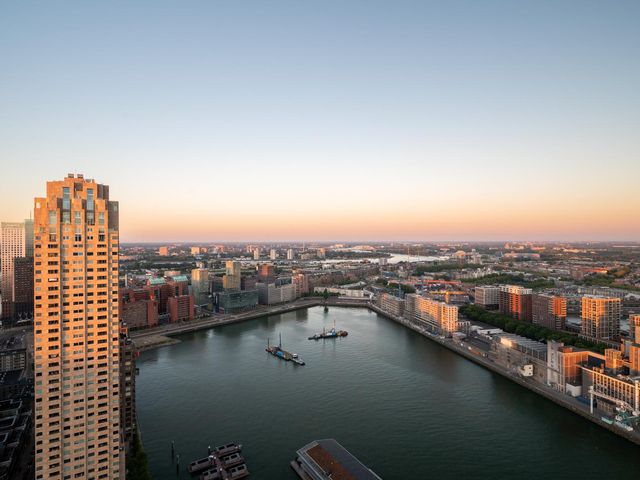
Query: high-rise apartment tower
point(77, 391)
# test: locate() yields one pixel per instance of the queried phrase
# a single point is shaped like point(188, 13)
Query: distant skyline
point(334, 120)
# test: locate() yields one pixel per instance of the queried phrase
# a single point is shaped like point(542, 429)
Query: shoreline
point(157, 337)
point(552, 395)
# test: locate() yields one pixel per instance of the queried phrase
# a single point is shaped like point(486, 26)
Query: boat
point(278, 351)
point(333, 333)
point(212, 474)
point(227, 449)
point(232, 460)
point(296, 359)
point(607, 420)
point(237, 472)
point(624, 426)
point(201, 464)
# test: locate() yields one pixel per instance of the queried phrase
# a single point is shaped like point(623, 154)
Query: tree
point(137, 463)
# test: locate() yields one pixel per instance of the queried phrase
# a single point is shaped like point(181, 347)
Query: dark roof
point(342, 456)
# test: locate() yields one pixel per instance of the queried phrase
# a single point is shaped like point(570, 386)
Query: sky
point(329, 120)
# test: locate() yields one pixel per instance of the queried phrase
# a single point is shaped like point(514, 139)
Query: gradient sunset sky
point(329, 120)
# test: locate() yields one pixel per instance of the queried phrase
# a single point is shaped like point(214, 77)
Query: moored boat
point(296, 359)
point(333, 333)
point(201, 464)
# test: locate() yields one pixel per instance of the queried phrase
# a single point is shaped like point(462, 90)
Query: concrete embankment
point(552, 395)
point(153, 341)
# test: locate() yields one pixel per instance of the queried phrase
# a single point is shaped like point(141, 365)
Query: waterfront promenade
point(163, 335)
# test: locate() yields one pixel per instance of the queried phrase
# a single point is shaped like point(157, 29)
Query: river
point(404, 405)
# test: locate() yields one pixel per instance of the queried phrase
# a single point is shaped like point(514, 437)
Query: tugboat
point(296, 359)
point(333, 333)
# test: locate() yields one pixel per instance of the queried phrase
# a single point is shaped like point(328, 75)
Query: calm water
point(404, 405)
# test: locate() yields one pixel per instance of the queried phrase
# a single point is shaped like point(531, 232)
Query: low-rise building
point(234, 301)
point(520, 355)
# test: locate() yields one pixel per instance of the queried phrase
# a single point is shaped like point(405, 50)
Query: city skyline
point(346, 122)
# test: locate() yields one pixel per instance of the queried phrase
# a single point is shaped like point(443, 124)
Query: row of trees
point(443, 267)
point(513, 279)
point(528, 330)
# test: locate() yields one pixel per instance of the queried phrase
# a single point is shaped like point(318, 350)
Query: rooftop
point(329, 459)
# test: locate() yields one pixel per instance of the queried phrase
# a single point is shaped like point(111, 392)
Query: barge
point(279, 352)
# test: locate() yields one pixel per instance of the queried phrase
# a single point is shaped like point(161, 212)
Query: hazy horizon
point(362, 119)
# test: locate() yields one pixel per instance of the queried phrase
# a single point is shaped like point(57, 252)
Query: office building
point(161, 289)
point(487, 297)
point(290, 254)
point(12, 246)
point(22, 304)
point(549, 311)
point(600, 317)
point(180, 308)
point(236, 301)
point(273, 254)
point(515, 302)
point(248, 282)
point(232, 280)
point(200, 286)
point(77, 350)
point(271, 294)
point(266, 273)
point(256, 253)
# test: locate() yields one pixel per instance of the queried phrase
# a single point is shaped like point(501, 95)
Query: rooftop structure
point(323, 459)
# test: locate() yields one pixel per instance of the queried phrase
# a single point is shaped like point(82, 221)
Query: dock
point(222, 463)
